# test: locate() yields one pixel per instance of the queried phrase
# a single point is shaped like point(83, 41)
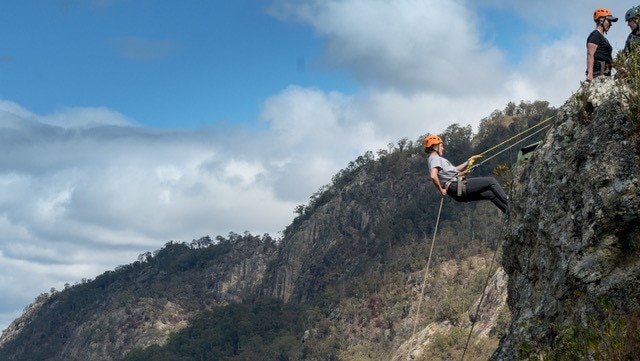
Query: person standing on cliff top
point(632, 17)
point(451, 180)
point(599, 51)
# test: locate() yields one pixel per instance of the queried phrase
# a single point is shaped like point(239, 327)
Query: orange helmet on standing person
point(604, 13)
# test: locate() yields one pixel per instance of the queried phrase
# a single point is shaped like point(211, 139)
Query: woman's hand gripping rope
point(470, 162)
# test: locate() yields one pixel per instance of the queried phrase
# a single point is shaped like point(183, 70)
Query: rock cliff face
point(345, 231)
point(572, 244)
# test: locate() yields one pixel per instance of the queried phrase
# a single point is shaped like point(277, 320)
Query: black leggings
point(481, 188)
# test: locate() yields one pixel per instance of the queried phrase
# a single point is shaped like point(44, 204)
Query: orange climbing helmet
point(431, 140)
point(604, 13)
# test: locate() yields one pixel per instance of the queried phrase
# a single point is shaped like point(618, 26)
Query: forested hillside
point(343, 283)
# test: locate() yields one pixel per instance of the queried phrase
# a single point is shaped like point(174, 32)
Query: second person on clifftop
point(451, 180)
point(632, 17)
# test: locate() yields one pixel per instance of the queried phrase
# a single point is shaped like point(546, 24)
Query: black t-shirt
point(603, 52)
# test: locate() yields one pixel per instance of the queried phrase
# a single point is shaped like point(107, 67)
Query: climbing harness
point(462, 186)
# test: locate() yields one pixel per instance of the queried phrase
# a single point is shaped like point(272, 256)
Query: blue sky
point(160, 64)
point(128, 123)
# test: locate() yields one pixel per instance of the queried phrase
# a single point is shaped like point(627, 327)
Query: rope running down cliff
point(486, 284)
point(435, 231)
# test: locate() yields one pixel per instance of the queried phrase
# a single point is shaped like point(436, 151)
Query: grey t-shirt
point(447, 171)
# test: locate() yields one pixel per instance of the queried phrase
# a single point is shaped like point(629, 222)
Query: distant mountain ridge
point(138, 304)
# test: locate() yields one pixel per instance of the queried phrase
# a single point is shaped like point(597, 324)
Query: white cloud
point(81, 195)
point(77, 117)
point(299, 116)
point(407, 45)
point(12, 112)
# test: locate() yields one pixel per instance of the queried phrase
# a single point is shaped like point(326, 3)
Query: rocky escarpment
point(349, 229)
point(572, 247)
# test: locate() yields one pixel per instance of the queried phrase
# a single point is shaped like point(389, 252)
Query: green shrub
point(628, 65)
point(607, 336)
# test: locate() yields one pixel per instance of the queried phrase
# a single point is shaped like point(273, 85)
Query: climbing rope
point(484, 291)
point(517, 135)
point(426, 272)
point(489, 275)
point(509, 147)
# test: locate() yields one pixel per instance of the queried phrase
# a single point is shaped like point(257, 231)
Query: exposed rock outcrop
point(572, 247)
point(344, 228)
